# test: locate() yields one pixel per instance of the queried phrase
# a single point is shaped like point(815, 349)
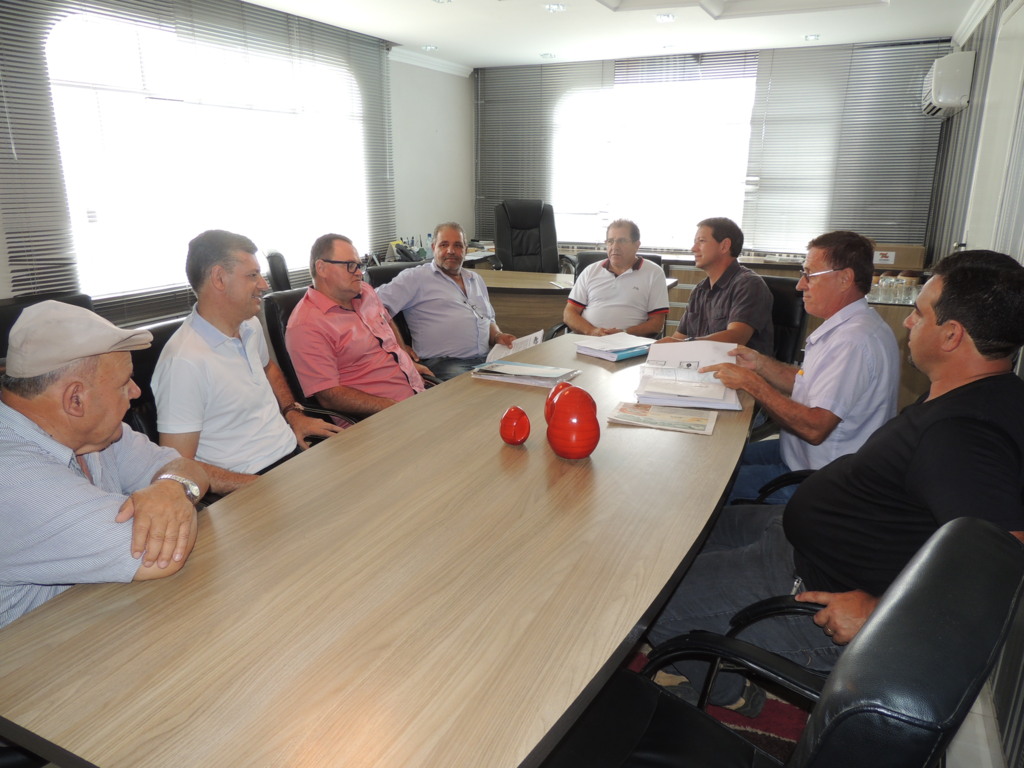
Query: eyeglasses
point(351, 266)
point(617, 241)
point(808, 275)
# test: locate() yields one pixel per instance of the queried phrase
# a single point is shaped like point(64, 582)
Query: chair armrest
point(770, 607)
point(555, 330)
point(765, 664)
point(430, 380)
point(332, 414)
point(795, 477)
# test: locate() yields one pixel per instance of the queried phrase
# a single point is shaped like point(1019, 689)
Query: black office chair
point(380, 274)
point(10, 310)
point(583, 260)
point(141, 415)
point(277, 308)
point(896, 697)
point(279, 277)
point(524, 236)
point(789, 323)
point(789, 318)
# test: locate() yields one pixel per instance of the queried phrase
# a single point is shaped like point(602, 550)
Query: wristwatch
point(190, 486)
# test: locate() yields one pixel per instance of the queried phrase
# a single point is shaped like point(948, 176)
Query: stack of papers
point(617, 346)
point(670, 376)
point(524, 373)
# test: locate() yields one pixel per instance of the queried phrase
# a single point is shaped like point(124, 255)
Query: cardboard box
point(899, 256)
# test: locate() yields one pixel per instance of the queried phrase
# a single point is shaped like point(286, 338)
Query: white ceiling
point(487, 33)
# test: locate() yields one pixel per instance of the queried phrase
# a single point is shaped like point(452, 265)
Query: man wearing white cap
point(71, 473)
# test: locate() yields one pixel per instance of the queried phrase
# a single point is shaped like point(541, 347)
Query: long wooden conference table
point(411, 592)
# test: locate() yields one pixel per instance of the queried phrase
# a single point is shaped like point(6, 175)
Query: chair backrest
point(585, 258)
point(524, 236)
point(903, 686)
point(279, 278)
point(379, 274)
point(277, 308)
point(789, 317)
point(11, 310)
point(141, 415)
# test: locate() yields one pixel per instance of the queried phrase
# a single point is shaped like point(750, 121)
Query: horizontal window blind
point(33, 201)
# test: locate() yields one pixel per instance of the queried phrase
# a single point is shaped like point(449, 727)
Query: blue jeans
point(746, 558)
point(449, 367)
point(759, 463)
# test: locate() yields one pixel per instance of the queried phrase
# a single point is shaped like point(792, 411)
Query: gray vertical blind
point(838, 141)
point(837, 136)
point(33, 205)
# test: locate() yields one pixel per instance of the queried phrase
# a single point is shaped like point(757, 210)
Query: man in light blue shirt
point(848, 384)
point(449, 315)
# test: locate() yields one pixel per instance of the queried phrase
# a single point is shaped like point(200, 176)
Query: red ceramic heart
point(515, 426)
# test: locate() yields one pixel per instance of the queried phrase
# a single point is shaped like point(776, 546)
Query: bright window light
point(663, 154)
point(163, 137)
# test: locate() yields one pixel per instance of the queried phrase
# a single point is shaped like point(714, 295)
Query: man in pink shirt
point(341, 339)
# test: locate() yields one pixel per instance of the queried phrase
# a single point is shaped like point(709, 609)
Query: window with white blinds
point(838, 141)
point(197, 114)
point(800, 141)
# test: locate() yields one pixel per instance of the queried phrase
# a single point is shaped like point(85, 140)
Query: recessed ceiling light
point(442, 1)
point(812, 38)
point(554, 7)
point(429, 48)
point(547, 55)
point(665, 18)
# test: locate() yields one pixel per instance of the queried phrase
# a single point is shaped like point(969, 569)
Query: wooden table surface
point(412, 592)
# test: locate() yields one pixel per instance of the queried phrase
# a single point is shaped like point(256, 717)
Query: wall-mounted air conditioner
point(947, 86)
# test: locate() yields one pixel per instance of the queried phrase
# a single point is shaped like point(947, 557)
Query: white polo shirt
point(215, 385)
point(620, 301)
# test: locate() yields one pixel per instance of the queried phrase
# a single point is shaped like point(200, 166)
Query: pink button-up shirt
point(331, 346)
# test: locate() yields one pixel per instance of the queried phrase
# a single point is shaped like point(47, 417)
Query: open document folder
point(670, 376)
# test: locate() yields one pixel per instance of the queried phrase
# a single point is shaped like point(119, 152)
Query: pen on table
point(557, 285)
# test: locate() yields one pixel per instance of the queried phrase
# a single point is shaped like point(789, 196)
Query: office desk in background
point(525, 302)
point(412, 592)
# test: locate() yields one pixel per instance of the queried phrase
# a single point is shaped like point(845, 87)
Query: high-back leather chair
point(585, 258)
point(379, 274)
point(789, 317)
point(895, 697)
point(280, 280)
point(277, 308)
point(11, 310)
point(141, 415)
point(524, 236)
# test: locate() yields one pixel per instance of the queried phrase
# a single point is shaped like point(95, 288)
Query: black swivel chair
point(524, 236)
point(11, 310)
point(277, 308)
point(379, 274)
point(896, 697)
point(141, 415)
point(583, 260)
point(279, 278)
point(789, 318)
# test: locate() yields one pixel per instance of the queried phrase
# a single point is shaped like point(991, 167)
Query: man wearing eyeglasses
point(625, 292)
point(848, 384)
point(732, 303)
point(446, 307)
point(220, 398)
point(342, 341)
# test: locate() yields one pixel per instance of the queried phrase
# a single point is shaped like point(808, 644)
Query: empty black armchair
point(896, 697)
point(280, 280)
point(524, 236)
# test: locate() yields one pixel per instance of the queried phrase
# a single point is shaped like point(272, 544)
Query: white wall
point(432, 121)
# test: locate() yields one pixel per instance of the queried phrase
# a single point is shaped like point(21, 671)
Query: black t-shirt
point(856, 522)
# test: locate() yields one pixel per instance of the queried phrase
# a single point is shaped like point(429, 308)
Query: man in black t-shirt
point(855, 523)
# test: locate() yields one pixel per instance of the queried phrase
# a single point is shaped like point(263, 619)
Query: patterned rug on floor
point(776, 730)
